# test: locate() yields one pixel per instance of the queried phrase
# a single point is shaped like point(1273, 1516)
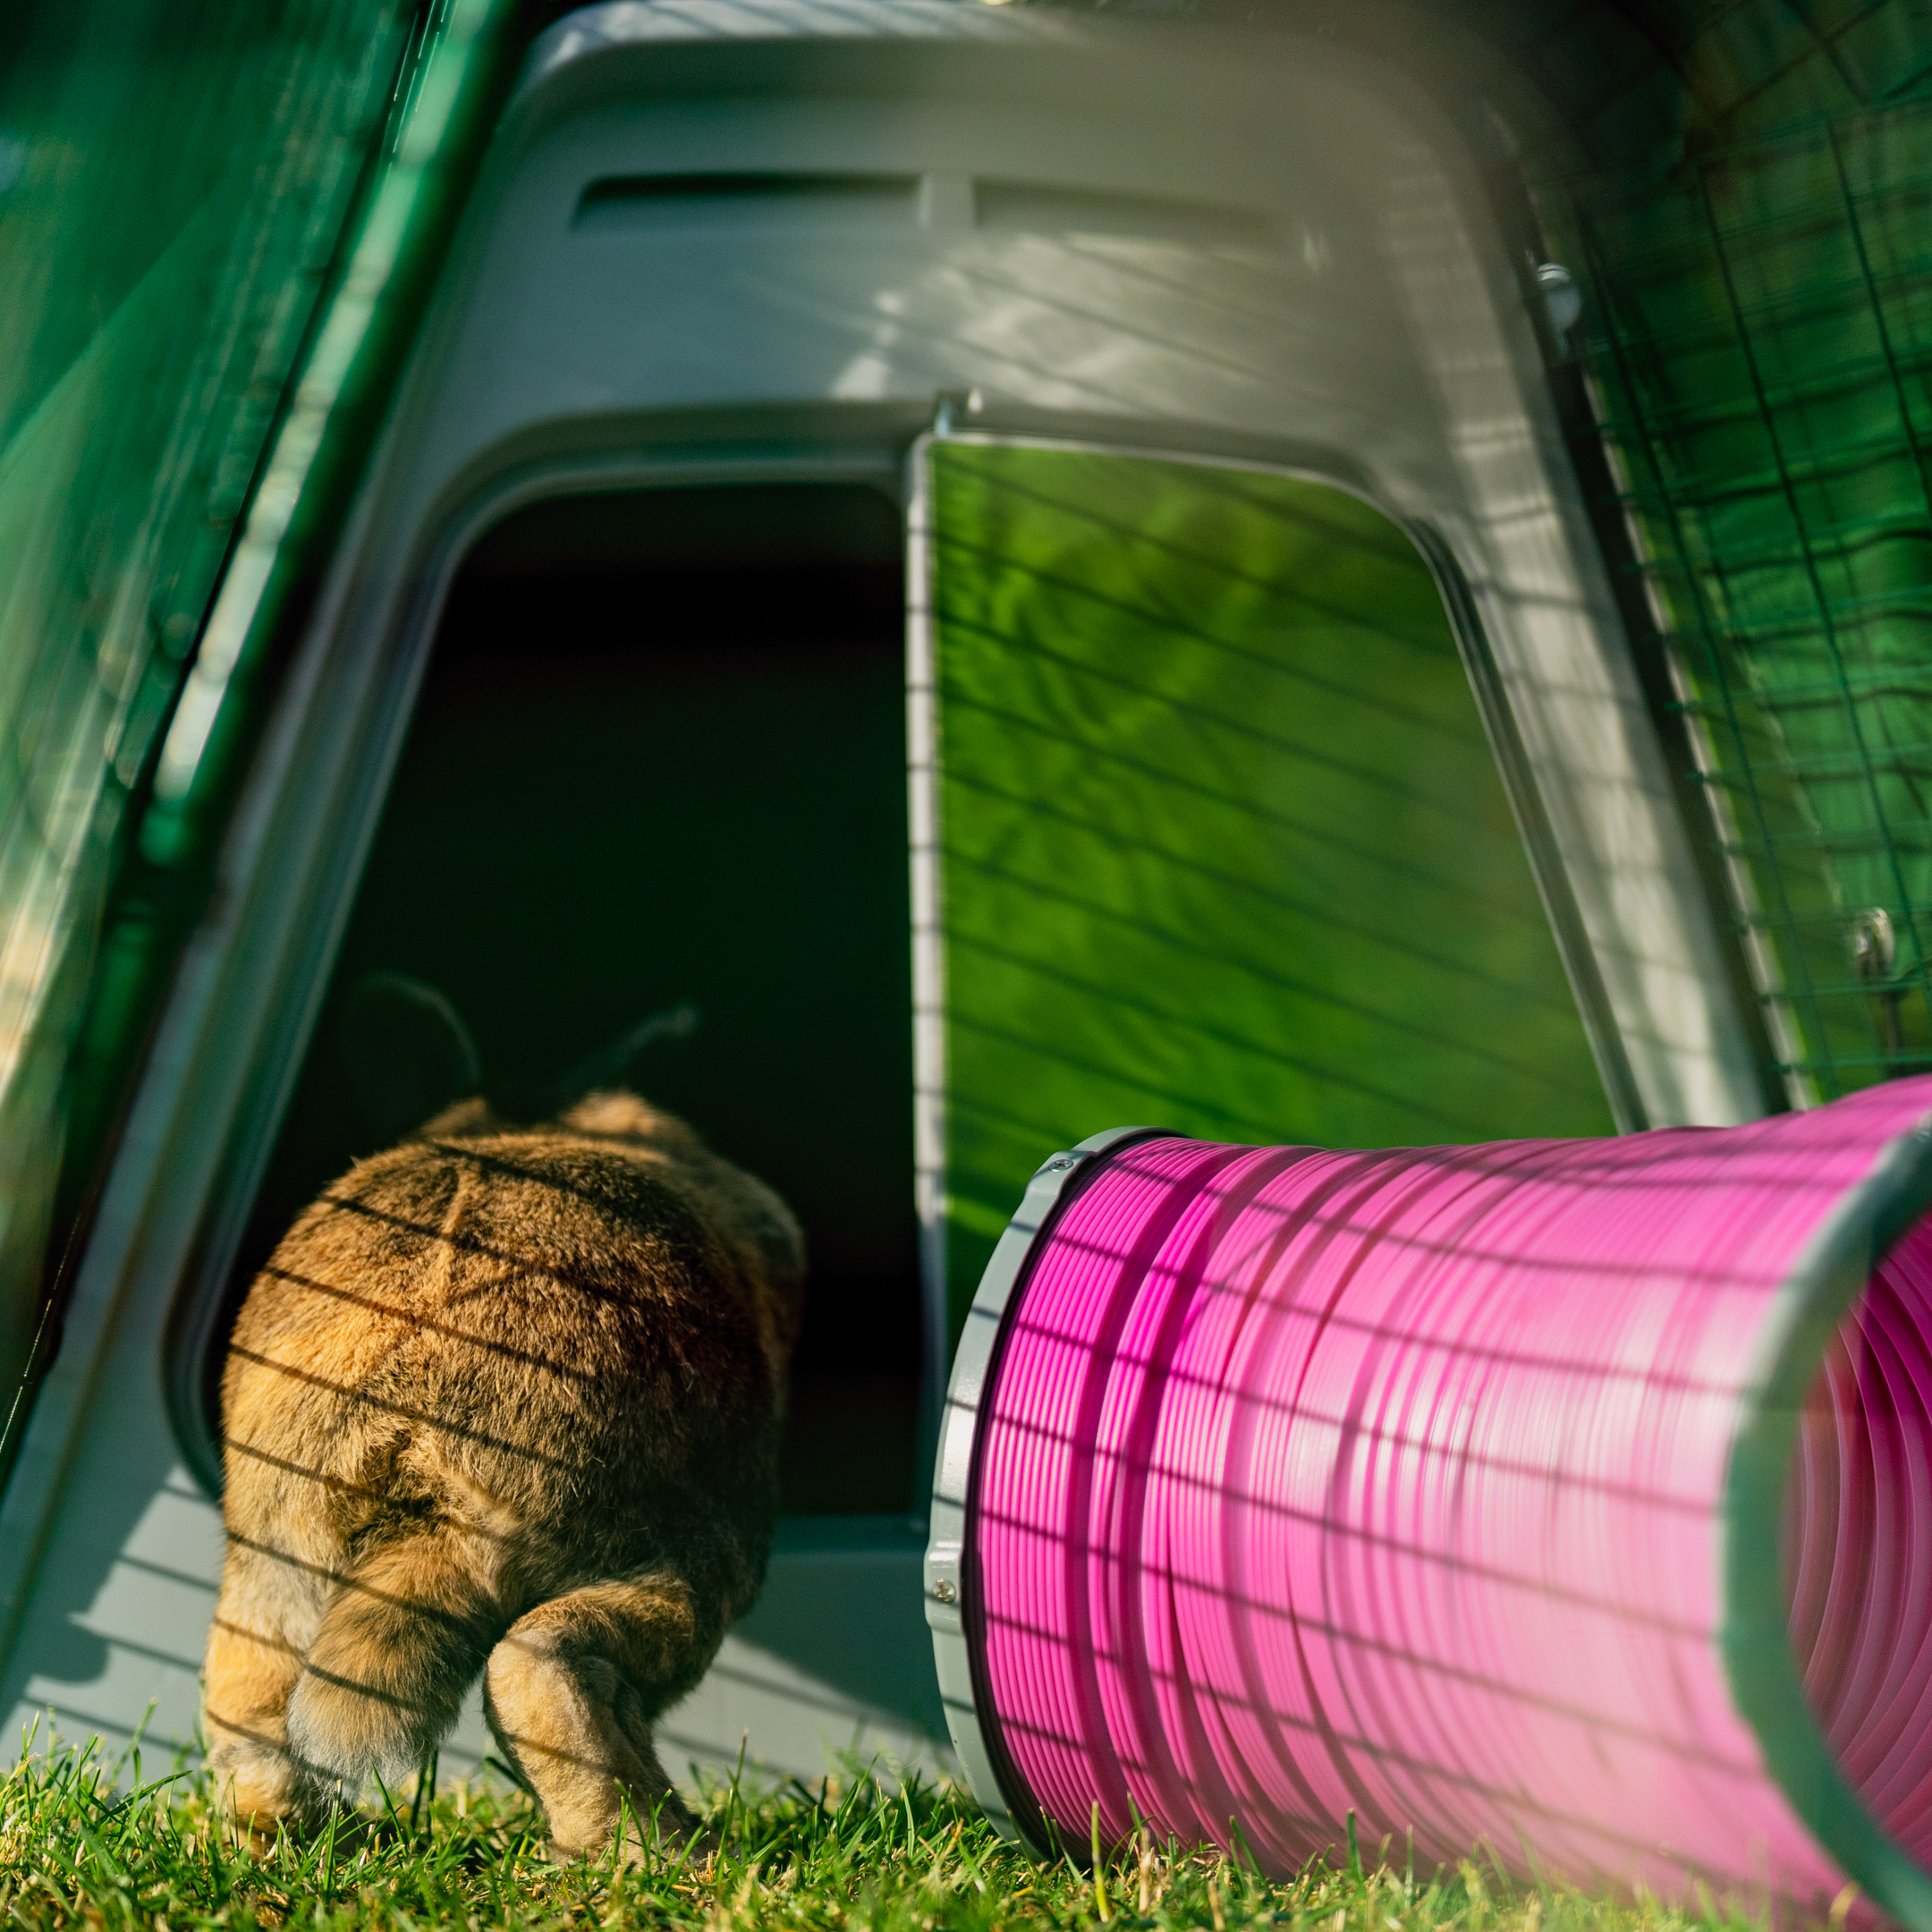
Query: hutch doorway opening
point(659, 758)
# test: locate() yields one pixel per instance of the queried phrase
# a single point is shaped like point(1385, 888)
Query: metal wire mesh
point(1761, 337)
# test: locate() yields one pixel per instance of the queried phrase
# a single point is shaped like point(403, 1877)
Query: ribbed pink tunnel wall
point(1420, 1484)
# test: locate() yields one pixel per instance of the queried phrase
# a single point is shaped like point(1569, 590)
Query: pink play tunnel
point(1572, 1496)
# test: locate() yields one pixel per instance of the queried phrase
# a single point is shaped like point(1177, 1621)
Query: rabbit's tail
point(403, 1637)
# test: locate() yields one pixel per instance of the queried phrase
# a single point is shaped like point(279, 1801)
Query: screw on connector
point(1874, 944)
point(1875, 954)
point(945, 1591)
point(1562, 300)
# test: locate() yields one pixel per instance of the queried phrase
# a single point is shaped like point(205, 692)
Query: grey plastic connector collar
point(951, 1598)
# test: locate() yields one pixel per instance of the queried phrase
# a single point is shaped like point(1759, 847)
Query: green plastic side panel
point(1760, 327)
point(174, 180)
point(1224, 846)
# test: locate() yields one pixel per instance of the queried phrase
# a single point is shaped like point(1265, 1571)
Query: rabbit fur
point(504, 1399)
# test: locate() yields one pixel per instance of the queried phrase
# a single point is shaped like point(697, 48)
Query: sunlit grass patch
point(846, 1852)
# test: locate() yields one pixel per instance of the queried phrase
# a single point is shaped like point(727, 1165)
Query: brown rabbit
point(503, 1398)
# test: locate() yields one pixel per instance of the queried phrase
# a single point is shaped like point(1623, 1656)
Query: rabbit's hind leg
point(571, 1692)
point(403, 1634)
point(269, 1609)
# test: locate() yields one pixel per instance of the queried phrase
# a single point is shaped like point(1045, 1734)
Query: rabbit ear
point(610, 1065)
point(407, 1052)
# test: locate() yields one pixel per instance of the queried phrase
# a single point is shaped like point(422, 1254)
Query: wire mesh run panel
point(1762, 331)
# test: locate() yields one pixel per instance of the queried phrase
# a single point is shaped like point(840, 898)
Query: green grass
point(844, 1853)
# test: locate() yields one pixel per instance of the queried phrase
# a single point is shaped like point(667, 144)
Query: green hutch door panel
point(1219, 843)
